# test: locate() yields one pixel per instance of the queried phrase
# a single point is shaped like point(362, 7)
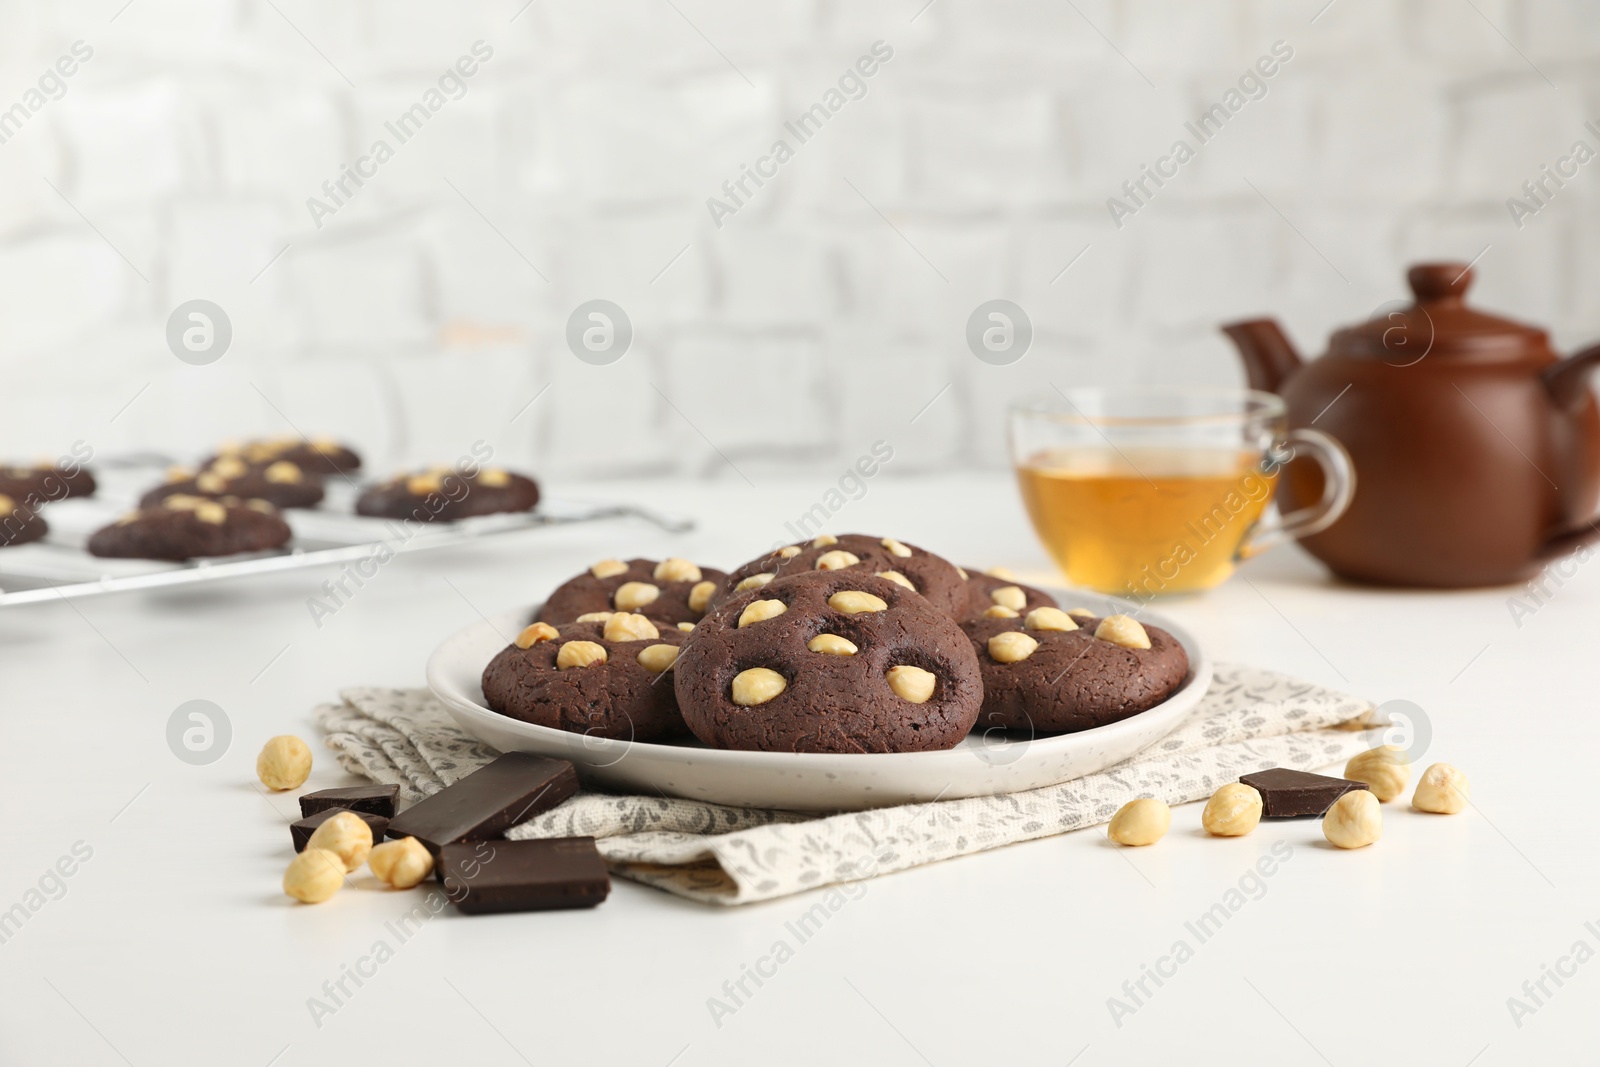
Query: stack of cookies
point(841, 644)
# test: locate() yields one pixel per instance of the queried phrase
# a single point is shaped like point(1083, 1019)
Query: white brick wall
point(810, 323)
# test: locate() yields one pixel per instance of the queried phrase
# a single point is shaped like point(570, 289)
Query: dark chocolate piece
point(1287, 794)
point(302, 829)
point(488, 802)
point(542, 874)
point(377, 799)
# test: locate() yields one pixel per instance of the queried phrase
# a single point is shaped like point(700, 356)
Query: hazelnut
point(630, 596)
point(1385, 770)
point(1049, 619)
point(346, 836)
point(627, 627)
point(1009, 596)
point(686, 627)
point(1013, 646)
point(757, 686)
point(824, 540)
point(912, 683)
point(1123, 630)
point(674, 569)
point(658, 658)
point(789, 552)
point(1442, 789)
point(1233, 811)
point(996, 611)
point(895, 547)
point(608, 568)
point(832, 645)
point(494, 478)
point(181, 474)
point(283, 472)
point(594, 616)
point(755, 581)
point(284, 763)
point(532, 635)
point(897, 578)
point(1140, 822)
point(963, 572)
point(212, 512)
point(400, 864)
point(1002, 573)
point(228, 467)
point(854, 602)
point(700, 596)
point(313, 876)
point(210, 483)
point(264, 506)
point(837, 560)
point(1354, 821)
point(1082, 613)
point(423, 484)
point(580, 654)
point(761, 611)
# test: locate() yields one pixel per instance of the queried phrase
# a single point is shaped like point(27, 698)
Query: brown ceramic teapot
point(1476, 448)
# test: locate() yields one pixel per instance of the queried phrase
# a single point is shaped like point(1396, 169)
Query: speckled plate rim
point(979, 766)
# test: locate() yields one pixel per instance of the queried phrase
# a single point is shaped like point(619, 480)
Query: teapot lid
point(1439, 322)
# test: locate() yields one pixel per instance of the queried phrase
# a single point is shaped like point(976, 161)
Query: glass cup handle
point(1338, 488)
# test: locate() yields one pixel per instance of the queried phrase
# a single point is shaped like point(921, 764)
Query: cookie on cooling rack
point(608, 676)
point(444, 494)
point(19, 523)
point(187, 527)
point(280, 483)
point(829, 661)
point(41, 483)
point(317, 455)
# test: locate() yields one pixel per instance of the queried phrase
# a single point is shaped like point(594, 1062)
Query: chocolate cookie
point(673, 590)
point(915, 568)
point(829, 661)
point(994, 593)
point(41, 483)
point(1049, 672)
point(184, 527)
point(280, 483)
point(319, 455)
point(609, 677)
point(444, 494)
point(19, 523)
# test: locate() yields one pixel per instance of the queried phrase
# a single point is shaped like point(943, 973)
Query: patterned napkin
point(1249, 719)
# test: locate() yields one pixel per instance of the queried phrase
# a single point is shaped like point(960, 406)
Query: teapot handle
point(1567, 383)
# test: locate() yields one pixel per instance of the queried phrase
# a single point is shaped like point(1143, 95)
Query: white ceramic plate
point(979, 766)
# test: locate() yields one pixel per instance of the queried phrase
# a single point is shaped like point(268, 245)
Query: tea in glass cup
point(1150, 492)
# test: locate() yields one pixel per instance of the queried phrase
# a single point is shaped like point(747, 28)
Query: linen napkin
point(1249, 719)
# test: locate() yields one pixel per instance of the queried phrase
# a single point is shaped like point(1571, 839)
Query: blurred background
point(428, 307)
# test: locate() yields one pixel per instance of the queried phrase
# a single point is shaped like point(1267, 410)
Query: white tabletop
point(171, 942)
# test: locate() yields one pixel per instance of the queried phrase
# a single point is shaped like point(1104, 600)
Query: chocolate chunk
point(302, 829)
point(377, 799)
point(488, 802)
point(1287, 794)
point(542, 874)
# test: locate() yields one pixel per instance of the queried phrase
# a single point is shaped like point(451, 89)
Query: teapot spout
point(1269, 357)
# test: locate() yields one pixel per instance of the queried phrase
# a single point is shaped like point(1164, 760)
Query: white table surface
point(172, 943)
